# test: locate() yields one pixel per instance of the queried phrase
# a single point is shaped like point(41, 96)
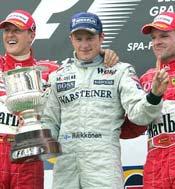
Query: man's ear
point(102, 35)
point(33, 34)
point(70, 38)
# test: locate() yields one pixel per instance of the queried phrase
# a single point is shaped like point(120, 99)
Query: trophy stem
point(31, 121)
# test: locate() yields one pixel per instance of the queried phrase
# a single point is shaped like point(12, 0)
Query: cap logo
point(20, 24)
point(23, 18)
point(161, 25)
point(89, 20)
point(164, 18)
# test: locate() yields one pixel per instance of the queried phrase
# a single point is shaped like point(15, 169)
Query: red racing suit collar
point(11, 63)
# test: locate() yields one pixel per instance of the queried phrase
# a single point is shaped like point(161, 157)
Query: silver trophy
point(25, 99)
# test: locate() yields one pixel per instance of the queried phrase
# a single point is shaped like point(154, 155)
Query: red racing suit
point(159, 170)
point(26, 175)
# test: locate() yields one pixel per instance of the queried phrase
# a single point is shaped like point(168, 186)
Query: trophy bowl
point(25, 99)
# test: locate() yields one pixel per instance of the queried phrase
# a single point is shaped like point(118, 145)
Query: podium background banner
point(122, 22)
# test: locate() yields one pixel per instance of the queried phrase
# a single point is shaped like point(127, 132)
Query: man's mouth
point(12, 42)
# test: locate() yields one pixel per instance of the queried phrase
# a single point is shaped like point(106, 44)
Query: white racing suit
point(85, 110)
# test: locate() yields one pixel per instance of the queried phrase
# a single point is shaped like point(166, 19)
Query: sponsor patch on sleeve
point(136, 79)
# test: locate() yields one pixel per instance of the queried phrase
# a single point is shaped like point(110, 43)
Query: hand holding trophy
point(24, 99)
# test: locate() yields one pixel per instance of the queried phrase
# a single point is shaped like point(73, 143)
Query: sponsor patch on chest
point(104, 82)
point(64, 86)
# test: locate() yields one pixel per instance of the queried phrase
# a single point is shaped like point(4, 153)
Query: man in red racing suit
point(27, 175)
point(17, 41)
point(159, 169)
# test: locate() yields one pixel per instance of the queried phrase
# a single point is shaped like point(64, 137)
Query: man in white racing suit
point(86, 108)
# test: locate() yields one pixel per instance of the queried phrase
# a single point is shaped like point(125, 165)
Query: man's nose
point(84, 44)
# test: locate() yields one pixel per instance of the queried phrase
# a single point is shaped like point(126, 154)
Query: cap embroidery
point(18, 16)
point(83, 20)
point(163, 18)
point(160, 25)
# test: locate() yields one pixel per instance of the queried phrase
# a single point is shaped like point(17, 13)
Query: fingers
point(158, 63)
point(160, 82)
point(107, 58)
point(110, 58)
point(102, 52)
point(162, 75)
point(21, 121)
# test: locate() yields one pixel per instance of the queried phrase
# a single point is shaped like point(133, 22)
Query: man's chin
point(86, 59)
point(11, 50)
